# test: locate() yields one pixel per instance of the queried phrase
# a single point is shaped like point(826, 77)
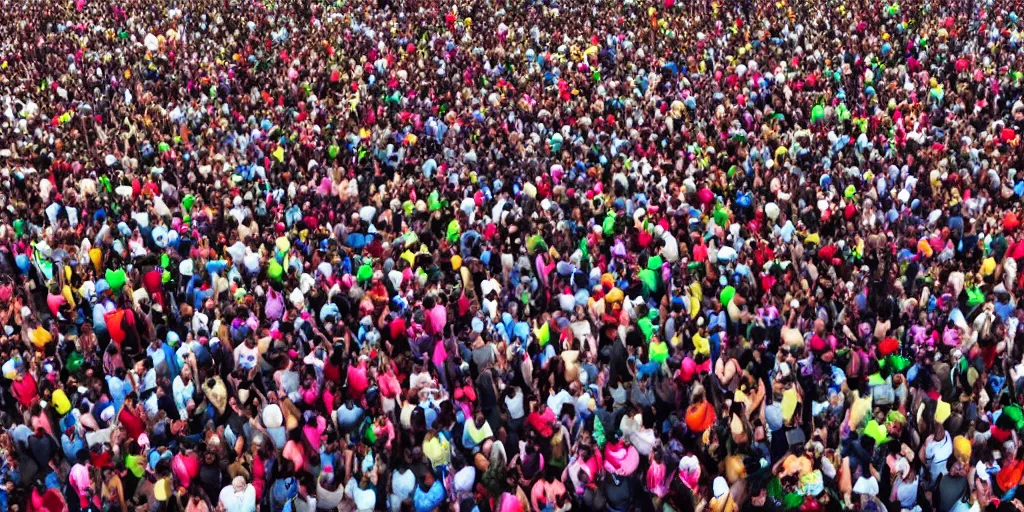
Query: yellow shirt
point(438, 450)
point(701, 345)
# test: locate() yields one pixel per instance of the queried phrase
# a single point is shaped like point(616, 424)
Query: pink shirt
point(357, 381)
point(389, 385)
point(79, 479)
point(312, 432)
point(293, 452)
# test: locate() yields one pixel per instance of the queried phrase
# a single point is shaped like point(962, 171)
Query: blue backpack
point(283, 491)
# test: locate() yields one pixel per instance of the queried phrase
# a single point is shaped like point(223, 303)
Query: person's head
point(238, 484)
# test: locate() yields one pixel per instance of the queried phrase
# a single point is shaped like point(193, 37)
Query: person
point(112, 490)
point(304, 501)
point(239, 496)
point(428, 494)
point(183, 390)
point(285, 488)
point(937, 450)
point(952, 490)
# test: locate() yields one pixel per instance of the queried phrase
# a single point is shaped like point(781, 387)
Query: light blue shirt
point(119, 389)
point(429, 500)
point(349, 417)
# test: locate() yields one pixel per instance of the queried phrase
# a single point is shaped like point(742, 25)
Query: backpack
point(283, 491)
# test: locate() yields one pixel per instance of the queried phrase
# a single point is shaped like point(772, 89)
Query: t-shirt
point(485, 355)
point(132, 423)
point(349, 416)
point(403, 483)
point(234, 501)
point(405, 417)
point(425, 501)
point(158, 355)
point(365, 499)
point(514, 404)
point(936, 453)
point(950, 490)
point(245, 357)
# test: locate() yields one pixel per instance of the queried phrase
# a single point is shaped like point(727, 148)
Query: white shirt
point(403, 483)
point(514, 404)
point(185, 348)
point(246, 358)
point(937, 453)
point(151, 406)
point(158, 356)
point(366, 499)
point(148, 380)
point(200, 321)
point(182, 394)
point(233, 501)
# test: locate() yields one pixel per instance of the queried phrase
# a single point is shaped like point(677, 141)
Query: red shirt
point(102, 460)
point(542, 422)
point(132, 423)
point(25, 390)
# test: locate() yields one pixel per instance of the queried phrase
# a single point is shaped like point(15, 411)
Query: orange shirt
point(1009, 476)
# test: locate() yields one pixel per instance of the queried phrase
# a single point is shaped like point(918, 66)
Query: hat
point(720, 487)
point(272, 417)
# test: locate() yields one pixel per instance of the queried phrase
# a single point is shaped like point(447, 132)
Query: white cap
point(720, 487)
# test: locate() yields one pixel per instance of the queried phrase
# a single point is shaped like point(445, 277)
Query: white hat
point(107, 413)
point(272, 417)
point(721, 487)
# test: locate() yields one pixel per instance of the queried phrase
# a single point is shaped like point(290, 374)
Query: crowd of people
point(511, 256)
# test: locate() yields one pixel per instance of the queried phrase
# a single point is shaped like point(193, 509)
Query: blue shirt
point(348, 418)
point(20, 434)
point(429, 500)
point(119, 389)
point(1004, 310)
point(71, 446)
point(429, 413)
